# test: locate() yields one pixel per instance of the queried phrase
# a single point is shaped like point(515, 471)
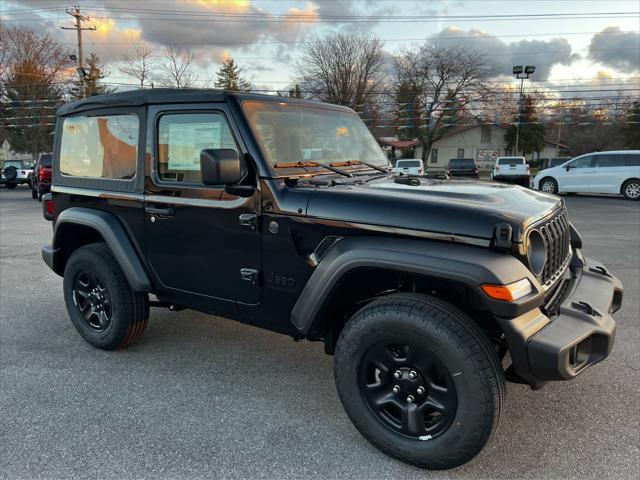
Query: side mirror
point(221, 166)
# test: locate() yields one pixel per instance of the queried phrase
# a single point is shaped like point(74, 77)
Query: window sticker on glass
point(187, 140)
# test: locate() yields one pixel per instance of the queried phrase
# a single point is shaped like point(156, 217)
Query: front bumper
point(559, 345)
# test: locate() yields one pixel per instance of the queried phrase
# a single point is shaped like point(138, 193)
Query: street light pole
point(518, 72)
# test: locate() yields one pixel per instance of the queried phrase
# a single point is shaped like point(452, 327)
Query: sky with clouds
point(601, 47)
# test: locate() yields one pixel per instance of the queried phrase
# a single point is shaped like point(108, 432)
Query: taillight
point(47, 206)
point(497, 168)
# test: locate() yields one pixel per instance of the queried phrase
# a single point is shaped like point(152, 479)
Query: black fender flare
point(111, 230)
point(465, 264)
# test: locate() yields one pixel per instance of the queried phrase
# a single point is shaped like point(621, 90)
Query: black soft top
point(176, 95)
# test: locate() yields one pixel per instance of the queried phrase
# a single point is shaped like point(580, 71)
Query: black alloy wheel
point(408, 388)
point(419, 379)
point(91, 298)
point(103, 308)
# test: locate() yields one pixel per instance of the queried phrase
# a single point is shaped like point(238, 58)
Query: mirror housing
point(221, 166)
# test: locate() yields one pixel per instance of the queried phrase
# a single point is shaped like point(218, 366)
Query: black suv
point(428, 293)
point(463, 167)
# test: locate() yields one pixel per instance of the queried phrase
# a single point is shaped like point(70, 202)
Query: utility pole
point(75, 12)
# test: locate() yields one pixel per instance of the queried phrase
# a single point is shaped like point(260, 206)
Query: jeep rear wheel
point(102, 306)
point(419, 380)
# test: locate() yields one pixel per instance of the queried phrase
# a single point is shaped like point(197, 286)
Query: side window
point(100, 147)
point(181, 137)
point(632, 160)
point(434, 155)
point(584, 162)
point(602, 161)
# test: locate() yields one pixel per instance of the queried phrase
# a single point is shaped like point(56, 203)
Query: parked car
point(511, 170)
point(420, 288)
point(41, 178)
point(616, 172)
point(409, 167)
point(463, 167)
point(15, 172)
point(553, 162)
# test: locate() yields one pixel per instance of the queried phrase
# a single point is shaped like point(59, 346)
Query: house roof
point(504, 127)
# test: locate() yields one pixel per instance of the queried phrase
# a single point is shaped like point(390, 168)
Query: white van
point(599, 172)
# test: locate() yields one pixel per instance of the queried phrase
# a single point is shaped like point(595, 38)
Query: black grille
point(555, 231)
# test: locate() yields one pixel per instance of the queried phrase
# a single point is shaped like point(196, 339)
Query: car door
point(574, 176)
point(607, 173)
point(201, 241)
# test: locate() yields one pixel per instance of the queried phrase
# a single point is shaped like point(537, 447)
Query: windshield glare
point(293, 133)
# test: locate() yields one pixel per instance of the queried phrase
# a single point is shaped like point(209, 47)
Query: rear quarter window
point(100, 146)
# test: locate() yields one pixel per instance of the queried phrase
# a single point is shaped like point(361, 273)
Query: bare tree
point(4, 51)
point(435, 76)
point(343, 68)
point(33, 80)
point(178, 68)
point(140, 65)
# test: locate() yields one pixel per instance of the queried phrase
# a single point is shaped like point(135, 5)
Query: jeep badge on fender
point(430, 294)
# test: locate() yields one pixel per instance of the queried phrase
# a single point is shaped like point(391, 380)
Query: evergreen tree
point(631, 131)
point(91, 85)
point(453, 112)
point(295, 92)
point(531, 138)
point(409, 111)
point(229, 77)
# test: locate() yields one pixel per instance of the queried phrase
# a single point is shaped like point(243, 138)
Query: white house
point(483, 143)
point(6, 153)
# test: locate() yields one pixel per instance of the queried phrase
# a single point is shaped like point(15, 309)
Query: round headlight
point(536, 252)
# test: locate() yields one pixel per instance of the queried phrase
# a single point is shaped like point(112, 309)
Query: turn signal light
point(508, 293)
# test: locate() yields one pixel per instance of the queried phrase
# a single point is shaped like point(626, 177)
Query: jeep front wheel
point(103, 308)
point(419, 380)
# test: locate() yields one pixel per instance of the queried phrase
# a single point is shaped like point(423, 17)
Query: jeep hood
point(465, 208)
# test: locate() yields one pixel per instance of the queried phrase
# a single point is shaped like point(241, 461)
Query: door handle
point(161, 211)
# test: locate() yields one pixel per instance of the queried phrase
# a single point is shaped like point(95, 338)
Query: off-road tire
point(630, 189)
point(129, 309)
point(461, 346)
point(10, 174)
point(552, 182)
point(10, 186)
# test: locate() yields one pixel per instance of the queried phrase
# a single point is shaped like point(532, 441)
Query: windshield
point(461, 162)
point(45, 160)
point(295, 133)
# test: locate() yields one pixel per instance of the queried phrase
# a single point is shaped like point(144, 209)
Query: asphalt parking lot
point(206, 397)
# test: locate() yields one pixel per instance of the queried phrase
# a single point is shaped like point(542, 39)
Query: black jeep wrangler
point(284, 214)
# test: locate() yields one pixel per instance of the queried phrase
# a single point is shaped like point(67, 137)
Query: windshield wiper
point(350, 163)
point(312, 164)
